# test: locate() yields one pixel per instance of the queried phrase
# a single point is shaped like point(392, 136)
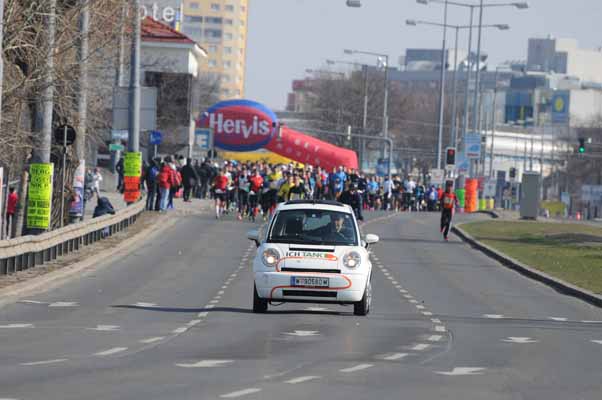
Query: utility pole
point(44, 137)
point(82, 101)
point(475, 105)
point(1, 62)
point(120, 73)
point(364, 117)
point(468, 73)
point(442, 88)
point(134, 112)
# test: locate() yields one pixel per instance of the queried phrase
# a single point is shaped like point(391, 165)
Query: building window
point(193, 5)
point(212, 49)
point(229, 7)
point(227, 50)
point(243, 8)
point(192, 19)
point(226, 78)
point(228, 64)
point(242, 22)
point(238, 92)
point(215, 7)
point(228, 21)
point(213, 33)
point(194, 33)
point(213, 20)
point(226, 92)
point(241, 51)
point(228, 36)
point(212, 63)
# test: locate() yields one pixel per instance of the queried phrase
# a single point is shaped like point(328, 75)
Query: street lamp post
point(386, 97)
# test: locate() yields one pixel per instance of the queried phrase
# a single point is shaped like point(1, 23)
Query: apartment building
point(220, 27)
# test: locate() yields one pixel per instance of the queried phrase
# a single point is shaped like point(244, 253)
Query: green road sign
point(116, 147)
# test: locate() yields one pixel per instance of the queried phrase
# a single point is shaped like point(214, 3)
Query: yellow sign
point(39, 199)
point(132, 164)
point(559, 104)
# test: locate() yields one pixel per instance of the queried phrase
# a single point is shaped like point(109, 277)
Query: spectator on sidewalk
point(152, 171)
point(103, 207)
point(119, 168)
point(96, 180)
point(11, 209)
point(189, 179)
point(165, 183)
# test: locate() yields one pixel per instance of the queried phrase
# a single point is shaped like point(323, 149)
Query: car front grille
point(316, 271)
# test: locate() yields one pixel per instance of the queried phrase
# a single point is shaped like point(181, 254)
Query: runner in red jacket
point(448, 202)
point(220, 188)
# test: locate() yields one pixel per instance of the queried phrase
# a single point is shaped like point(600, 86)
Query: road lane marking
point(440, 328)
point(420, 347)
point(220, 292)
point(109, 352)
point(206, 364)
point(182, 329)
point(146, 305)
point(403, 291)
point(202, 314)
point(58, 360)
point(357, 368)
point(597, 341)
point(591, 322)
point(214, 301)
point(217, 297)
point(559, 319)
point(32, 302)
point(16, 326)
point(420, 307)
point(396, 356)
point(152, 340)
point(302, 379)
point(462, 371)
point(394, 282)
point(225, 287)
point(63, 304)
point(240, 393)
point(519, 340)
point(105, 328)
point(493, 316)
point(302, 333)
point(316, 309)
point(435, 320)
point(408, 296)
point(194, 322)
point(414, 301)
point(427, 313)
point(209, 306)
point(434, 338)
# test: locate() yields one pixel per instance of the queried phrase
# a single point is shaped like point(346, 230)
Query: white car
point(312, 252)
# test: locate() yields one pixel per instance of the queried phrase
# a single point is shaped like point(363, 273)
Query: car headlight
point(353, 259)
point(270, 257)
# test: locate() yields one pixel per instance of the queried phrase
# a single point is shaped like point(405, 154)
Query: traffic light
point(512, 173)
point(581, 145)
point(450, 156)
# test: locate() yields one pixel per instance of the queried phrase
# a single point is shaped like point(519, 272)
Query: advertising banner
point(76, 208)
point(560, 106)
point(39, 203)
point(437, 176)
point(132, 167)
point(472, 146)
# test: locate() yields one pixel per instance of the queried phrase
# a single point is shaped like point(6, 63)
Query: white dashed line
point(435, 320)
point(202, 314)
point(302, 379)
point(16, 326)
point(240, 393)
point(427, 313)
point(420, 347)
point(217, 297)
point(414, 301)
point(105, 328)
point(63, 304)
point(357, 368)
point(493, 316)
point(110, 351)
point(420, 307)
point(591, 322)
point(206, 364)
point(180, 330)
point(435, 338)
point(147, 305)
point(233, 276)
point(396, 356)
point(394, 282)
point(194, 322)
point(152, 340)
point(220, 292)
point(440, 328)
point(225, 287)
point(209, 306)
point(559, 319)
point(403, 291)
point(59, 360)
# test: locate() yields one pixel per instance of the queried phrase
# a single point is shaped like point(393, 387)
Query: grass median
point(571, 252)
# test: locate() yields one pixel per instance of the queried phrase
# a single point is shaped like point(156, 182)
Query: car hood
point(311, 257)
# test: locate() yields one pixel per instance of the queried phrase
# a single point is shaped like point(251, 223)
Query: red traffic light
point(450, 156)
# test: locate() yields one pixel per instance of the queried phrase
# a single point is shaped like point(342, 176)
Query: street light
point(412, 22)
point(354, 3)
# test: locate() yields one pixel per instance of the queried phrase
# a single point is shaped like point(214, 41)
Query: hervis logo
point(240, 125)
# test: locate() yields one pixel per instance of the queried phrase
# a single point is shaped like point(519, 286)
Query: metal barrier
point(25, 252)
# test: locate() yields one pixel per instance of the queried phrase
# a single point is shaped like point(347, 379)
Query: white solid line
point(395, 356)
point(240, 393)
point(152, 340)
point(59, 360)
point(180, 330)
point(302, 379)
point(427, 313)
point(15, 326)
point(357, 368)
point(111, 351)
point(435, 320)
point(202, 314)
point(435, 338)
point(420, 347)
point(591, 322)
point(440, 328)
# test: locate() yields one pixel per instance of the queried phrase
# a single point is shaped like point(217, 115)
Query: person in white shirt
point(387, 192)
point(96, 179)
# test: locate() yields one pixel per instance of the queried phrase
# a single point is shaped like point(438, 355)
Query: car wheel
point(259, 305)
point(362, 307)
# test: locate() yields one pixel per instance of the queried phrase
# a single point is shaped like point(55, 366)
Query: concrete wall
point(158, 58)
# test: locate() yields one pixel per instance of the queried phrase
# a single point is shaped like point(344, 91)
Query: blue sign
point(156, 138)
point(560, 106)
point(472, 145)
point(382, 168)
point(462, 163)
point(203, 138)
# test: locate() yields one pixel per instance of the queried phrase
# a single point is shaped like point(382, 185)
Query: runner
point(448, 202)
point(220, 190)
point(243, 186)
point(256, 182)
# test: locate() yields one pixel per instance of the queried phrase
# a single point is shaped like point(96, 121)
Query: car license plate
point(310, 281)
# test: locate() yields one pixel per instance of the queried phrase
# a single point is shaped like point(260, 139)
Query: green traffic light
point(581, 149)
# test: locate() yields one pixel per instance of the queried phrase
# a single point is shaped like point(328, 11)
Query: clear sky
point(288, 36)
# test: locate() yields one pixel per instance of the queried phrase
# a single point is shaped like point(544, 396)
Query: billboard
point(472, 145)
point(39, 199)
point(560, 106)
point(167, 11)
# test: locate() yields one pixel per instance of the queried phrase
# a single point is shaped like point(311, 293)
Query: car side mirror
point(254, 236)
point(371, 239)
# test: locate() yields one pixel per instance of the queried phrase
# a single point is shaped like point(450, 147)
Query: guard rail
point(28, 251)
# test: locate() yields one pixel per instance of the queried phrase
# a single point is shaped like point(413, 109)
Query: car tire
point(260, 305)
point(362, 307)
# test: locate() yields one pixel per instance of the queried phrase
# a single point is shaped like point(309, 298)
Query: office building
point(220, 27)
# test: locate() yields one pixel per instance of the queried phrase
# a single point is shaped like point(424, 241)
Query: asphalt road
point(172, 320)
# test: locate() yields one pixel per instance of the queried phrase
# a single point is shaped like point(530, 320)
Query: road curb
point(530, 272)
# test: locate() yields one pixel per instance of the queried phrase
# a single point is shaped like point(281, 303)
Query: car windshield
point(319, 227)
